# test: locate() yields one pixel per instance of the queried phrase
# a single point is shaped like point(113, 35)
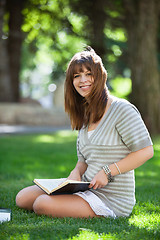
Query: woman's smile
point(85, 87)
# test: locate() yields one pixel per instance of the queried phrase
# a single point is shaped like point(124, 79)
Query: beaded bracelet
point(108, 173)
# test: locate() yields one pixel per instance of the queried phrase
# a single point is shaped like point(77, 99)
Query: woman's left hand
point(100, 180)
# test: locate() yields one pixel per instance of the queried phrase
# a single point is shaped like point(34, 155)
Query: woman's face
point(83, 82)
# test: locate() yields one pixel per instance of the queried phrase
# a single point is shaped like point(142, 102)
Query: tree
point(142, 26)
point(95, 24)
point(38, 25)
point(15, 39)
point(10, 48)
point(61, 25)
point(140, 20)
point(5, 80)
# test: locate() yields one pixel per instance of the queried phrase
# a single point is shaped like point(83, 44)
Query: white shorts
point(96, 204)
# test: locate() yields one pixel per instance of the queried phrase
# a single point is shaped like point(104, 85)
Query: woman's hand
point(74, 175)
point(78, 171)
point(100, 180)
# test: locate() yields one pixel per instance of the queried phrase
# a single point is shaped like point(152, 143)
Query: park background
point(37, 40)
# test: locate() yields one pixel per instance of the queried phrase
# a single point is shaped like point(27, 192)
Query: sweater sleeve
point(79, 154)
point(131, 128)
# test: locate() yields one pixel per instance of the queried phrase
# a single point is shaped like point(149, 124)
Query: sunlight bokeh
point(66, 133)
point(45, 139)
point(59, 137)
point(147, 220)
point(91, 235)
point(146, 174)
point(157, 147)
point(121, 87)
point(20, 237)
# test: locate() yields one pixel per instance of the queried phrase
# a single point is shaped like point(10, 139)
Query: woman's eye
point(89, 74)
point(76, 76)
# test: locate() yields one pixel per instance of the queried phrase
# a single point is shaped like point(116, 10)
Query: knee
point(23, 200)
point(20, 199)
point(40, 204)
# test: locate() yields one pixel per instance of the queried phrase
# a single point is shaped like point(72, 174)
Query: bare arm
point(132, 161)
point(78, 171)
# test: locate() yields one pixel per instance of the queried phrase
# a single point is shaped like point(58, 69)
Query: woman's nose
point(83, 78)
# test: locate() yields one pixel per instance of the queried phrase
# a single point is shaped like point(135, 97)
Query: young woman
point(112, 142)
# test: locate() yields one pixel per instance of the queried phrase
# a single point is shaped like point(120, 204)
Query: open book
point(61, 186)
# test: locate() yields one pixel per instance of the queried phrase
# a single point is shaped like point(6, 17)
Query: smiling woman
point(112, 141)
point(85, 86)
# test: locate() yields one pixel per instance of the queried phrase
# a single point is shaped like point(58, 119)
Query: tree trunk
point(97, 18)
point(5, 81)
point(95, 11)
point(142, 25)
point(15, 39)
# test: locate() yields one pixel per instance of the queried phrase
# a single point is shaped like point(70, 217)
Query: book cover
point(61, 186)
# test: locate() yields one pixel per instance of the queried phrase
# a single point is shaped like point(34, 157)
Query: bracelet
point(117, 168)
point(108, 173)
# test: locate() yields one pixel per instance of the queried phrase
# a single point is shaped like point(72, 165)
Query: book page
point(50, 184)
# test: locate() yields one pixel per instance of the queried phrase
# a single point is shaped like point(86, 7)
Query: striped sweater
point(120, 132)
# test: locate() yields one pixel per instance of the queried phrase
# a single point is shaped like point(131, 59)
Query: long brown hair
point(84, 111)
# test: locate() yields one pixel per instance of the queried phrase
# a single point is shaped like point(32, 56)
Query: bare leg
point(26, 197)
point(63, 206)
point(33, 198)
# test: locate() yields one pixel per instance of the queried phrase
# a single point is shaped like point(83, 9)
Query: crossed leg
point(26, 197)
point(33, 198)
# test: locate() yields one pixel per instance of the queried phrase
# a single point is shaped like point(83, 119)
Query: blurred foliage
point(52, 36)
point(121, 87)
point(54, 31)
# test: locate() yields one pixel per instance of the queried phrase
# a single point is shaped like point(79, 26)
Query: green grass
point(23, 158)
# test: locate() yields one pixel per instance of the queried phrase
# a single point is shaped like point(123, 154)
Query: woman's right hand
point(74, 175)
point(78, 171)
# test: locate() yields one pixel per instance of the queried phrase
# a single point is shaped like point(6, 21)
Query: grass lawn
point(23, 158)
